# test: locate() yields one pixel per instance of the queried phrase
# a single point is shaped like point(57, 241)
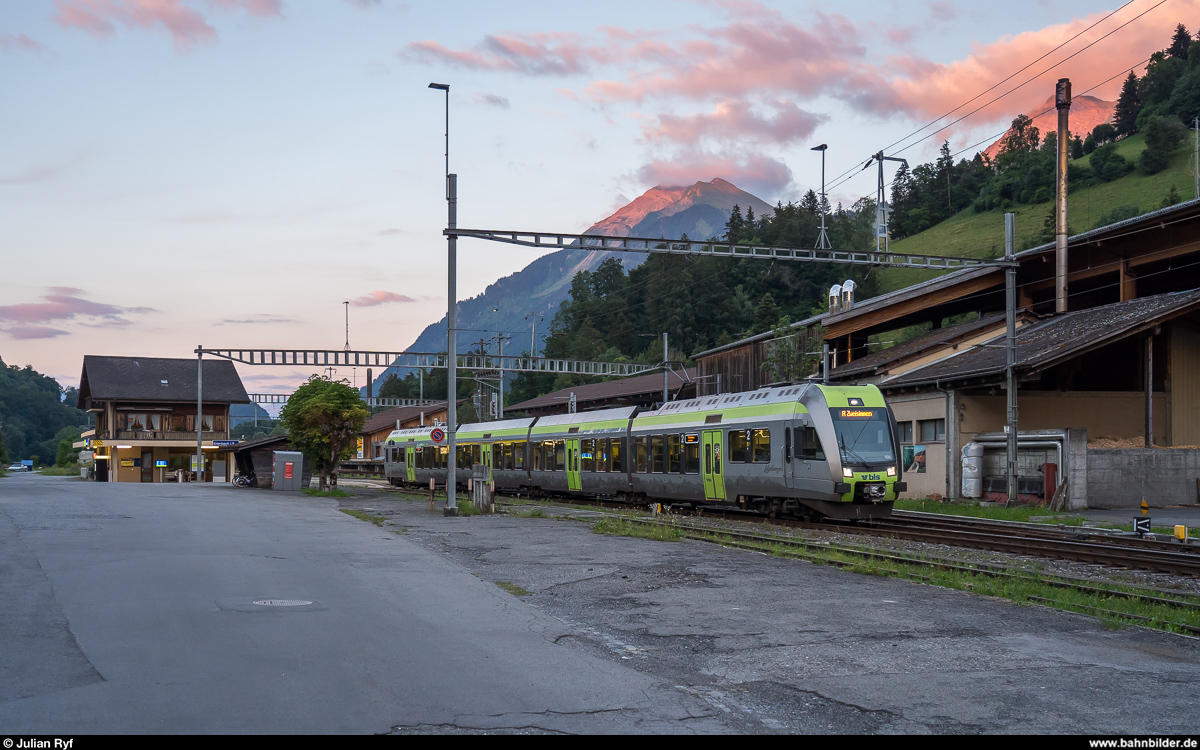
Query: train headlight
point(847, 473)
point(891, 471)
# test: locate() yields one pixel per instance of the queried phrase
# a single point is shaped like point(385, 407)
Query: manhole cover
point(283, 602)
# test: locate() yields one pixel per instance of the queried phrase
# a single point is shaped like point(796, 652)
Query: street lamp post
point(451, 319)
point(823, 237)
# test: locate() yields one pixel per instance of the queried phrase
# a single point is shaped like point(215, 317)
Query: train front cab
point(861, 445)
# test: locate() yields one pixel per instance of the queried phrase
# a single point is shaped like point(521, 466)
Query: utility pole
point(666, 356)
point(1010, 306)
point(823, 237)
point(1062, 101)
point(1196, 155)
point(199, 414)
point(451, 318)
point(500, 339)
point(881, 206)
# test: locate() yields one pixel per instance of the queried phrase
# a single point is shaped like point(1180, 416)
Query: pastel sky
point(228, 172)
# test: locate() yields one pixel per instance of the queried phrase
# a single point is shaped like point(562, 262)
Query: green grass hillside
point(981, 235)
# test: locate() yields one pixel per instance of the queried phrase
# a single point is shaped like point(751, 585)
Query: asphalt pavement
point(131, 608)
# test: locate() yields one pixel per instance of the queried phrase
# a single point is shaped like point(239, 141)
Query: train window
point(444, 454)
point(691, 458)
point(618, 454)
point(476, 451)
point(932, 430)
point(810, 445)
point(519, 455)
point(643, 464)
point(509, 461)
point(656, 454)
point(760, 446)
point(602, 454)
point(906, 432)
point(588, 447)
point(674, 455)
point(739, 440)
point(560, 456)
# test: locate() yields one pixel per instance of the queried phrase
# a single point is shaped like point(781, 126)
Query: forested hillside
point(701, 302)
point(34, 417)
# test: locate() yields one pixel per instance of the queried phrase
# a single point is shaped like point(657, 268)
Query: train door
point(573, 482)
point(789, 479)
point(713, 466)
point(487, 458)
point(410, 463)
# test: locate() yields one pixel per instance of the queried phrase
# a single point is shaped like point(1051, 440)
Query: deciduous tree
point(322, 418)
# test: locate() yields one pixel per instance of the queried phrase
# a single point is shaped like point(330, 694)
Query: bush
point(1120, 213)
point(1163, 136)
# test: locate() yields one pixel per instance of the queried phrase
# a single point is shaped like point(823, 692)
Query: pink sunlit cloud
point(736, 121)
point(380, 297)
point(34, 332)
point(186, 25)
point(15, 43)
point(761, 175)
point(60, 306)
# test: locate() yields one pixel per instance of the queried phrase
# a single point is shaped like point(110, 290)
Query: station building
point(145, 418)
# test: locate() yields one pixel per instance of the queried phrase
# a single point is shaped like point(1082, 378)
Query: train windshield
point(863, 435)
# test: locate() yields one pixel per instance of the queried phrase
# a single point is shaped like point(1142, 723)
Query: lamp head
point(442, 86)
point(822, 147)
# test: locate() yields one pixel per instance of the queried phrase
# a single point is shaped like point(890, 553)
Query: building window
point(933, 430)
point(906, 432)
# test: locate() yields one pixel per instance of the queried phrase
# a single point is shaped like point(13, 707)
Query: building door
point(714, 466)
point(410, 463)
point(573, 479)
point(147, 466)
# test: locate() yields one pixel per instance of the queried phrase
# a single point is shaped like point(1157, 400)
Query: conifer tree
point(1180, 43)
point(1129, 104)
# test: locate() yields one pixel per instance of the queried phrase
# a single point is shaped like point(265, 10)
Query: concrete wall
point(1119, 414)
point(913, 409)
point(1123, 478)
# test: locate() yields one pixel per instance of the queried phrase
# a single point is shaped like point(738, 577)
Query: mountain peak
point(1086, 113)
point(667, 200)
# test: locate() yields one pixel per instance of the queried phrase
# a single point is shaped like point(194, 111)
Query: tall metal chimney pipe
point(1062, 100)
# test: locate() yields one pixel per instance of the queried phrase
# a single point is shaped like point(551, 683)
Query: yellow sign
point(126, 463)
point(98, 443)
point(1145, 508)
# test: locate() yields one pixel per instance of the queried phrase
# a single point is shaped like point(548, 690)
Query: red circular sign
point(437, 435)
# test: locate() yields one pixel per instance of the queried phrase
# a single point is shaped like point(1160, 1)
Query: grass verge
point(659, 532)
point(513, 588)
point(325, 493)
point(533, 513)
point(60, 471)
point(1115, 605)
point(377, 520)
point(467, 508)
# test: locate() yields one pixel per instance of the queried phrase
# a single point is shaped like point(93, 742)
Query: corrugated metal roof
point(384, 419)
point(870, 364)
point(1044, 344)
point(1116, 227)
point(625, 387)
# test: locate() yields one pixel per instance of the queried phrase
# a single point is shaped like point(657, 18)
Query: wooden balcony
point(169, 435)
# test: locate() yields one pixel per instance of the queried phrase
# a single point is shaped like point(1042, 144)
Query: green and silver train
point(803, 450)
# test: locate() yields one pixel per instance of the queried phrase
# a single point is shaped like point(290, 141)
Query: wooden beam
point(919, 303)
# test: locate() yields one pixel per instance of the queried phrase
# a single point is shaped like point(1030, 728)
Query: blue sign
point(160, 464)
